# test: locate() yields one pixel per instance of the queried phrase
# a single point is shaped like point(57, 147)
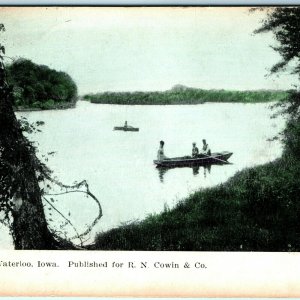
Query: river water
point(119, 165)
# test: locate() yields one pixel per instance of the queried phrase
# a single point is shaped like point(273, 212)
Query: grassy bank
point(184, 95)
point(257, 209)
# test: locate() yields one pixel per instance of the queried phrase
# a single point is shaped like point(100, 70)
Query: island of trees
point(39, 87)
point(180, 94)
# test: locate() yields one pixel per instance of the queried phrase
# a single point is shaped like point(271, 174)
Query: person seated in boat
point(205, 148)
point(160, 152)
point(195, 150)
point(125, 125)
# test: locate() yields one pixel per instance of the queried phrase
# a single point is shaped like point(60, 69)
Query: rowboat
point(214, 158)
point(126, 128)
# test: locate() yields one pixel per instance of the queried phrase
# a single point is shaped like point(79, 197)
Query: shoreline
point(61, 106)
point(185, 96)
point(71, 106)
point(228, 217)
point(278, 96)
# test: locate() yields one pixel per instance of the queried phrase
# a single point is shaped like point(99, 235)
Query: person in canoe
point(125, 125)
point(160, 152)
point(205, 148)
point(195, 150)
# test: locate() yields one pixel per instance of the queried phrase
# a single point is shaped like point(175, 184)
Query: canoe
point(214, 158)
point(128, 128)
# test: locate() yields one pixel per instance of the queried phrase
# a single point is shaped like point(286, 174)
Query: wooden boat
point(126, 128)
point(214, 158)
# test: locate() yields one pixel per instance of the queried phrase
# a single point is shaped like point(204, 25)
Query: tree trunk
point(19, 181)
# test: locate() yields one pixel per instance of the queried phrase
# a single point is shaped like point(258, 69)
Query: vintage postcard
point(155, 149)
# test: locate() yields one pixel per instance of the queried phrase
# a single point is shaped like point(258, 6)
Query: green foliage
point(38, 86)
point(284, 23)
point(291, 137)
point(184, 95)
point(29, 127)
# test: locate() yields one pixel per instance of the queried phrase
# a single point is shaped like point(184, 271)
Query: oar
point(221, 160)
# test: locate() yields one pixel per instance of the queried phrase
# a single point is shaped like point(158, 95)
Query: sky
point(152, 48)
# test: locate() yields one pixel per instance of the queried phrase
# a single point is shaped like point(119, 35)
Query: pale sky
point(127, 49)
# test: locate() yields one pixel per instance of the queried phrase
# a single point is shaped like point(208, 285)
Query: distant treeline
point(39, 87)
point(185, 95)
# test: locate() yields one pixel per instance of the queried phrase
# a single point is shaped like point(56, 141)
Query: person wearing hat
point(195, 150)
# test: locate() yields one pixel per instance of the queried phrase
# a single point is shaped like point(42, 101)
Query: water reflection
point(195, 171)
point(206, 169)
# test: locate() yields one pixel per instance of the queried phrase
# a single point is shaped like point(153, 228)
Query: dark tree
point(284, 23)
point(21, 197)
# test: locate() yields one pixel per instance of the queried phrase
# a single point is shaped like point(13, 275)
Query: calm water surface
point(119, 165)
